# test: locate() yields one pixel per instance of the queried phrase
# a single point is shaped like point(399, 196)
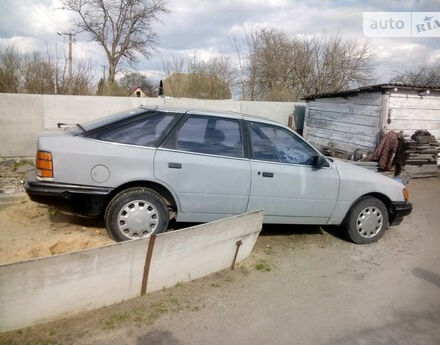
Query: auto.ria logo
point(401, 24)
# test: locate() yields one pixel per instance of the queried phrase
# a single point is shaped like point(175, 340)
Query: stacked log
point(421, 158)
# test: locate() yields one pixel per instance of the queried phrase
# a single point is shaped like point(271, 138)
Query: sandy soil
point(301, 285)
point(30, 230)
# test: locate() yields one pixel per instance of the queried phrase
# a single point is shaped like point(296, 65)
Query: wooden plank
point(425, 168)
point(414, 125)
point(341, 146)
point(306, 116)
point(343, 137)
point(343, 127)
point(366, 98)
point(347, 108)
point(414, 95)
point(415, 114)
point(414, 102)
point(345, 118)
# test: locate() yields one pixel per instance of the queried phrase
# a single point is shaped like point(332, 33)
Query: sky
point(207, 27)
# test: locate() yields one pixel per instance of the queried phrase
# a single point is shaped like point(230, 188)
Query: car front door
point(203, 161)
point(285, 182)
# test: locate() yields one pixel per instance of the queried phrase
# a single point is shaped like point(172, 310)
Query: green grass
point(22, 162)
point(114, 320)
point(262, 266)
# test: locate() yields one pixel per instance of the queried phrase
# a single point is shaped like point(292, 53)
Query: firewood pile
point(421, 156)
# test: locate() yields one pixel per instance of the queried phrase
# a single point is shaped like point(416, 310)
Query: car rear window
point(143, 130)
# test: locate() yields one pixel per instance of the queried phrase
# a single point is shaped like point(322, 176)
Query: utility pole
point(70, 34)
point(103, 75)
point(56, 67)
point(70, 54)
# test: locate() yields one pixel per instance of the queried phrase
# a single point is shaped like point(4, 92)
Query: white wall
point(408, 111)
point(23, 116)
point(45, 289)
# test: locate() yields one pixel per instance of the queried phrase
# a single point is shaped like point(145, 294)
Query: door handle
point(172, 165)
point(267, 174)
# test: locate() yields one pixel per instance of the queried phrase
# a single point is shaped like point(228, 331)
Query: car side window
point(144, 131)
point(211, 135)
point(276, 144)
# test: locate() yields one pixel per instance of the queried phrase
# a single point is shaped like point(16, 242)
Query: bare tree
point(277, 67)
point(211, 79)
point(173, 68)
point(10, 70)
point(422, 75)
point(122, 27)
point(39, 73)
point(136, 79)
point(81, 81)
point(197, 78)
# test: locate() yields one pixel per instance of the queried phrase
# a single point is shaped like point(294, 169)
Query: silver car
point(140, 168)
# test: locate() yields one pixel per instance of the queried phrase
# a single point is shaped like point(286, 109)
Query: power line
point(50, 12)
point(39, 14)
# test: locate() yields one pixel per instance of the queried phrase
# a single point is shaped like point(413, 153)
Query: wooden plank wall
point(346, 123)
point(408, 111)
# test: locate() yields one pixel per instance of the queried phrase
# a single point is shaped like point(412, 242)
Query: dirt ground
point(30, 230)
point(301, 285)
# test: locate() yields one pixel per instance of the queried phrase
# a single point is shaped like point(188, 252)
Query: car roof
point(90, 125)
point(219, 113)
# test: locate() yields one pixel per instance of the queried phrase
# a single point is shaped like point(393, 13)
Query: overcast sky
point(208, 26)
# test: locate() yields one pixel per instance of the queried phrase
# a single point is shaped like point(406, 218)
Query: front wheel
point(367, 221)
point(136, 213)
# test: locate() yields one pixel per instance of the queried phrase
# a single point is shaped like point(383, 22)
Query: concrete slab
point(45, 289)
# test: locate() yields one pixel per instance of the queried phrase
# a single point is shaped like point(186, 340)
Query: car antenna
point(83, 129)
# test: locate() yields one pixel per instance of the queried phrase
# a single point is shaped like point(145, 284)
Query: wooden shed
point(354, 119)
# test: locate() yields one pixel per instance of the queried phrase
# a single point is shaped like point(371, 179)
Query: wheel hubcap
point(138, 219)
point(369, 222)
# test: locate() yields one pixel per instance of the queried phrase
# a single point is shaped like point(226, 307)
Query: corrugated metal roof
point(372, 88)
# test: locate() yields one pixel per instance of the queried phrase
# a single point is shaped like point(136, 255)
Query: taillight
point(44, 164)
point(405, 194)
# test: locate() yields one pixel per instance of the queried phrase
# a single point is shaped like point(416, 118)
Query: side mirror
point(321, 162)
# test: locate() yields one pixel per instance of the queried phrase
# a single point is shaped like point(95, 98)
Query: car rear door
point(285, 182)
point(203, 161)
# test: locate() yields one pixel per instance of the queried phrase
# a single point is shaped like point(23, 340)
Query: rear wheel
point(367, 221)
point(136, 213)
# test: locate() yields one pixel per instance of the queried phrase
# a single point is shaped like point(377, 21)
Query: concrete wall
point(23, 116)
point(48, 288)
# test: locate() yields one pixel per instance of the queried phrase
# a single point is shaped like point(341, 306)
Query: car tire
point(136, 213)
point(367, 221)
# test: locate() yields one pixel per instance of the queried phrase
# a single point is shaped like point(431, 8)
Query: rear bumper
point(79, 199)
point(400, 209)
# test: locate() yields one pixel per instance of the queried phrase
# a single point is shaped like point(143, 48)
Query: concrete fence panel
point(78, 109)
point(21, 119)
point(23, 116)
point(194, 252)
point(58, 286)
point(213, 105)
point(45, 289)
